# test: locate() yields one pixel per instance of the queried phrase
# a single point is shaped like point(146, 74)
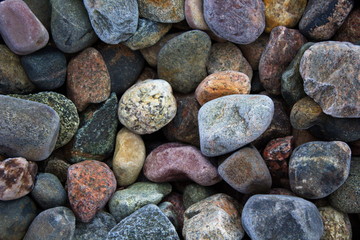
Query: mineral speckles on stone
point(164, 11)
point(337, 225)
point(147, 106)
point(194, 14)
point(332, 77)
point(237, 21)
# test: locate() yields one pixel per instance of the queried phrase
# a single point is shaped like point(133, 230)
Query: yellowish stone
point(336, 224)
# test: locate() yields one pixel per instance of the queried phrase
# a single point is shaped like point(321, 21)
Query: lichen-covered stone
point(164, 11)
point(337, 225)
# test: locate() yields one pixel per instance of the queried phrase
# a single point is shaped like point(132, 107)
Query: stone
point(147, 34)
point(215, 217)
point(123, 64)
point(317, 169)
point(45, 68)
point(58, 167)
point(113, 21)
point(227, 57)
point(302, 136)
point(125, 202)
point(147, 106)
point(281, 217)
point(54, 223)
point(20, 29)
point(90, 185)
point(97, 229)
point(19, 136)
point(194, 14)
point(42, 10)
point(253, 51)
point(13, 78)
point(129, 157)
point(335, 84)
point(64, 107)
point(163, 11)
point(176, 162)
point(221, 84)
point(95, 138)
point(230, 122)
point(282, 47)
point(283, 13)
point(146, 223)
point(17, 177)
point(147, 73)
point(182, 60)
point(278, 149)
point(245, 171)
point(281, 191)
point(176, 200)
point(349, 30)
point(305, 113)
point(336, 224)
point(88, 80)
point(48, 191)
point(170, 212)
point(16, 216)
point(71, 29)
point(321, 19)
point(239, 21)
point(194, 193)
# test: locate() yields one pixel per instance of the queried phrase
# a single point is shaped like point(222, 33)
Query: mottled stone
point(194, 14)
point(282, 47)
point(55, 223)
point(129, 157)
point(238, 21)
point(58, 167)
point(317, 169)
point(90, 185)
point(182, 60)
point(95, 138)
point(305, 113)
point(221, 84)
point(281, 217)
point(278, 149)
point(216, 217)
point(230, 122)
point(48, 191)
point(147, 73)
point(322, 18)
point(337, 225)
point(125, 202)
point(331, 77)
point(176, 162)
point(113, 21)
point(176, 200)
point(350, 29)
point(19, 136)
point(20, 29)
point(147, 106)
point(194, 193)
point(13, 78)
point(88, 80)
point(70, 26)
point(170, 212)
point(164, 11)
point(42, 10)
point(146, 223)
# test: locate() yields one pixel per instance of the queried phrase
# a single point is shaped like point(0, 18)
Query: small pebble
point(58, 167)
point(278, 149)
point(170, 212)
point(337, 225)
point(305, 113)
point(253, 51)
point(194, 14)
point(163, 11)
point(194, 193)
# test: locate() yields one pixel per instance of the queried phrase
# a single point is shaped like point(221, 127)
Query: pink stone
point(194, 14)
point(21, 30)
point(176, 162)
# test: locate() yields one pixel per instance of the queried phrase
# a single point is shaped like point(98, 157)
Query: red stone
point(278, 149)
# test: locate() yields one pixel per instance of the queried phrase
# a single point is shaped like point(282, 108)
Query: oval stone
point(164, 11)
point(194, 14)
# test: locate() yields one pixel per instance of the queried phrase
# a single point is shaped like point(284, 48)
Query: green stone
point(194, 193)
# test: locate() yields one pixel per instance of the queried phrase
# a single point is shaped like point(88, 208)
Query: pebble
point(278, 149)
point(305, 113)
point(253, 51)
point(90, 185)
point(88, 79)
point(147, 34)
point(331, 77)
point(17, 118)
point(163, 11)
point(55, 223)
point(20, 29)
point(58, 167)
point(70, 26)
point(146, 223)
point(282, 47)
point(194, 193)
point(194, 14)
point(129, 157)
point(281, 217)
point(216, 217)
point(221, 84)
point(230, 122)
point(113, 21)
point(170, 212)
point(147, 106)
point(336, 224)
point(45, 68)
point(178, 162)
point(177, 202)
point(317, 169)
point(95, 138)
point(245, 171)
point(126, 201)
point(240, 22)
point(16, 216)
point(321, 19)
point(42, 10)
point(182, 60)
point(48, 191)
point(13, 78)
point(349, 30)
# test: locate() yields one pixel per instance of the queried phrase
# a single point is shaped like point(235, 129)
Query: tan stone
point(305, 113)
point(336, 224)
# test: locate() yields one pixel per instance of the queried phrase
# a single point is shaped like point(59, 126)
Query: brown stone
point(165, 11)
point(58, 167)
point(88, 79)
point(147, 73)
point(305, 113)
point(253, 51)
point(350, 29)
point(302, 136)
point(194, 14)
point(278, 149)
